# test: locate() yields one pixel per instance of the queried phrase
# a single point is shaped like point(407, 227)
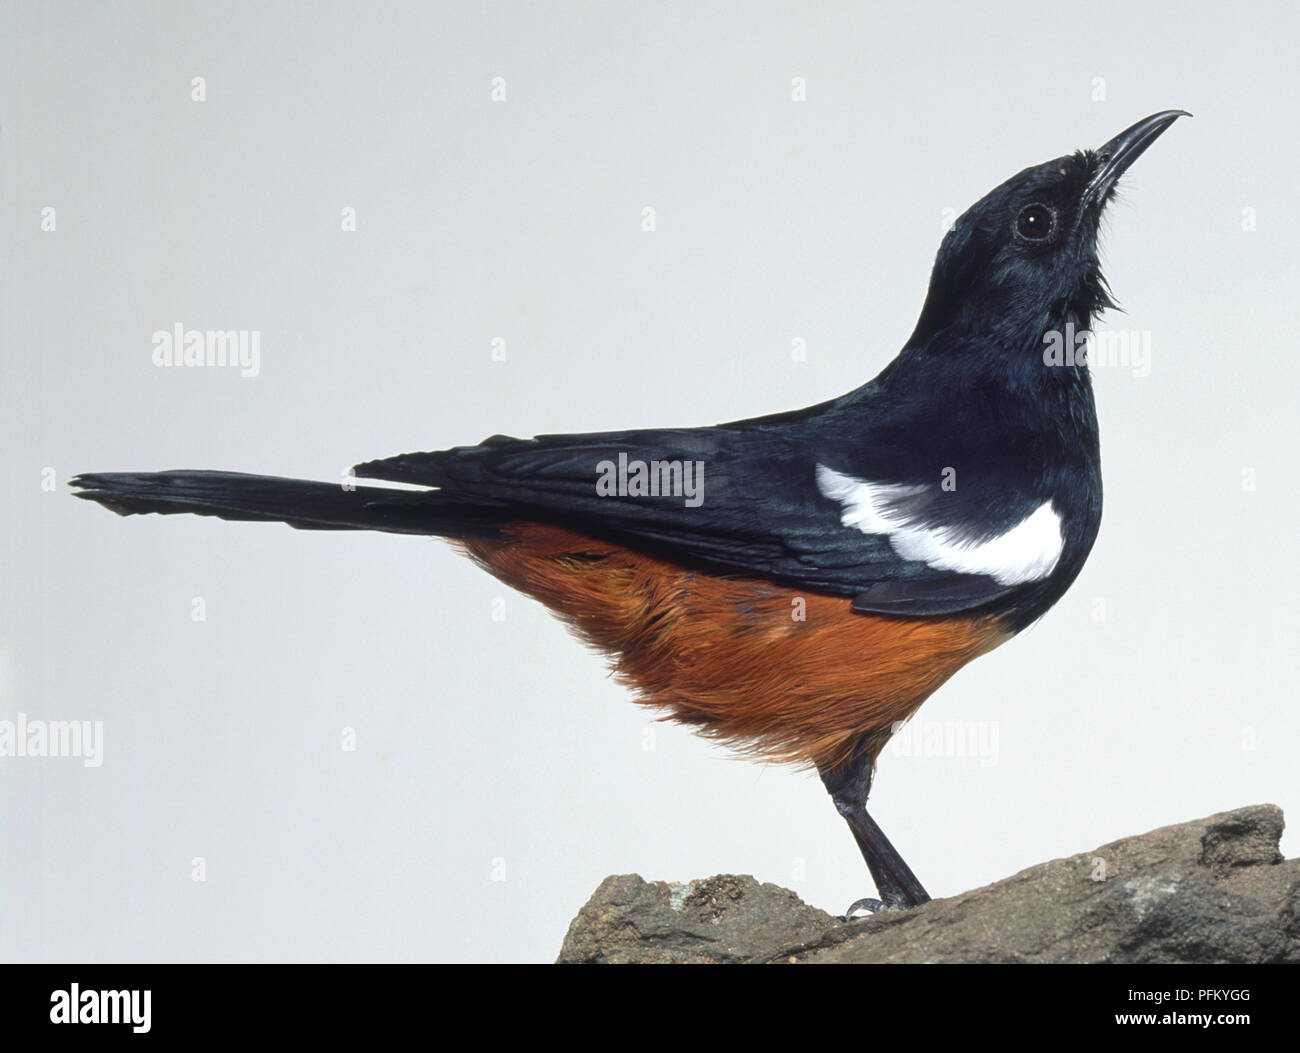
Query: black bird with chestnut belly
point(831, 566)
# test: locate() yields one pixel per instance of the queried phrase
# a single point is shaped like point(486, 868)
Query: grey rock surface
point(1212, 890)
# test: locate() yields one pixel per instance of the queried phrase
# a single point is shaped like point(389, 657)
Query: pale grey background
point(482, 740)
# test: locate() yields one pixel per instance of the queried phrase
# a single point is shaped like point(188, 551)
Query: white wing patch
point(1029, 551)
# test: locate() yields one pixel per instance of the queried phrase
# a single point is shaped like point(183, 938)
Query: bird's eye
point(1035, 222)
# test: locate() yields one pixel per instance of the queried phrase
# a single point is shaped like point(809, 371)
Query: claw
point(873, 905)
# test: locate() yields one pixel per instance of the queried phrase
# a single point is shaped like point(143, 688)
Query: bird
point(794, 586)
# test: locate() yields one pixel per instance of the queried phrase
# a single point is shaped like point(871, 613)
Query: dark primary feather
point(762, 513)
point(297, 502)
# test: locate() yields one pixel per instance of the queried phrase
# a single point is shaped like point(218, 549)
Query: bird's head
point(1023, 259)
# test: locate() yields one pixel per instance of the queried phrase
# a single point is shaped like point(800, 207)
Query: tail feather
point(300, 503)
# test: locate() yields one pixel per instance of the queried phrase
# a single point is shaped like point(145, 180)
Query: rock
point(728, 918)
point(1213, 890)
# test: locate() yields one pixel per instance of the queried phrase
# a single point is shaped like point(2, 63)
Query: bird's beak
point(1114, 159)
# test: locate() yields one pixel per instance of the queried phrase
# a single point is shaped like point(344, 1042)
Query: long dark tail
point(298, 502)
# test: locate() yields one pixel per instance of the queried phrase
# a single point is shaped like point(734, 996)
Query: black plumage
point(954, 498)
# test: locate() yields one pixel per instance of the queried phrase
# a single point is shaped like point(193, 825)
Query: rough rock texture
point(1213, 890)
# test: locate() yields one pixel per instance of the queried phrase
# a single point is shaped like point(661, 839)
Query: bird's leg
point(848, 786)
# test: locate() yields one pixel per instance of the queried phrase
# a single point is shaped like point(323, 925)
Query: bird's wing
point(803, 499)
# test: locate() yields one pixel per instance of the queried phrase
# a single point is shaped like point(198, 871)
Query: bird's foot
point(897, 900)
